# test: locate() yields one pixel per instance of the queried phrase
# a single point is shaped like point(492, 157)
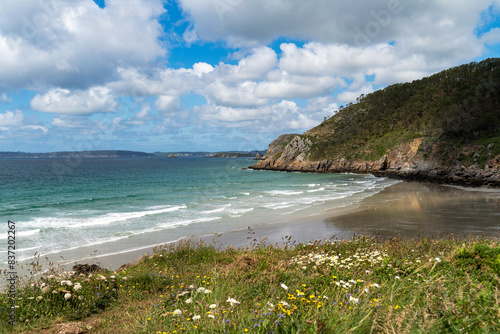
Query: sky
point(214, 75)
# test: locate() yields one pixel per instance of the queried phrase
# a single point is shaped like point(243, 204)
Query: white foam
point(283, 192)
point(188, 222)
point(28, 233)
point(239, 211)
point(315, 190)
point(106, 219)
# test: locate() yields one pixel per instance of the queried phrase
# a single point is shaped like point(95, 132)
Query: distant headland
point(126, 154)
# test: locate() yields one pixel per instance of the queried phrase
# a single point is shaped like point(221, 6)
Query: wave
point(283, 192)
point(188, 222)
point(315, 190)
point(28, 233)
point(106, 219)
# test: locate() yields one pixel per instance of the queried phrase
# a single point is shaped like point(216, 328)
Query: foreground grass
point(362, 285)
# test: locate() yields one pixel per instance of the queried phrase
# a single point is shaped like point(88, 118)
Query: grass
point(362, 285)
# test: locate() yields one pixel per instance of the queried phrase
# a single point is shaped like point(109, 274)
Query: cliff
point(444, 128)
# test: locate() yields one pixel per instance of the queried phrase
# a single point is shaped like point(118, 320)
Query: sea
point(77, 207)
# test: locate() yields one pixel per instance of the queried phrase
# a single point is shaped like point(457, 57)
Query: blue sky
point(213, 75)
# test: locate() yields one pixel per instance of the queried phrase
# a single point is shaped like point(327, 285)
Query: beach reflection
point(416, 209)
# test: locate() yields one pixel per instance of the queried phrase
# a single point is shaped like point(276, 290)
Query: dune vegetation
point(361, 285)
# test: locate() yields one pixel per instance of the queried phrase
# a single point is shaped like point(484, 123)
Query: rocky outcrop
point(403, 162)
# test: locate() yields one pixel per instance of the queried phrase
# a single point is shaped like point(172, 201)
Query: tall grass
point(364, 285)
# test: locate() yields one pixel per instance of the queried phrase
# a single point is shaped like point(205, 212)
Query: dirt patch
point(70, 328)
point(242, 264)
point(85, 269)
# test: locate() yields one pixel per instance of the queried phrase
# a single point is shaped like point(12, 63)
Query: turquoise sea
point(72, 208)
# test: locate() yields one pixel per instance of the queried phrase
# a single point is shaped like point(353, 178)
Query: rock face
point(404, 162)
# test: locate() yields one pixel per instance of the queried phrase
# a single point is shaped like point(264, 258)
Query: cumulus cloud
point(10, 118)
point(283, 116)
point(75, 43)
point(63, 101)
point(167, 103)
point(4, 98)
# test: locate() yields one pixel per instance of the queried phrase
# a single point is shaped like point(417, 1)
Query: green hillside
point(456, 107)
point(444, 128)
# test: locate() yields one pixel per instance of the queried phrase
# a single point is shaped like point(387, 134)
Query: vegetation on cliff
point(454, 108)
point(443, 128)
point(362, 285)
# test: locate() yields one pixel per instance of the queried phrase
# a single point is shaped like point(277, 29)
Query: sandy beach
point(407, 209)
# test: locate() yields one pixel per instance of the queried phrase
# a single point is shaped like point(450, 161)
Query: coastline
point(406, 209)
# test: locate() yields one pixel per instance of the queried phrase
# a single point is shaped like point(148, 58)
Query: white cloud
point(63, 101)
point(35, 129)
point(167, 103)
point(10, 118)
point(491, 37)
point(283, 116)
point(75, 43)
point(5, 98)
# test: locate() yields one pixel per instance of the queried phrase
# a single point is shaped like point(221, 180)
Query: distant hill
point(72, 154)
point(237, 154)
point(443, 128)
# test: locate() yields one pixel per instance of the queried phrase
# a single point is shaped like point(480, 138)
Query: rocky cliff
point(437, 129)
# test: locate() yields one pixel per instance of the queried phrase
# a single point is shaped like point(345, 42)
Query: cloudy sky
point(210, 75)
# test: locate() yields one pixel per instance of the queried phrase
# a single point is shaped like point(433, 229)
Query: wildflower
point(284, 286)
point(45, 289)
point(54, 291)
point(124, 278)
point(39, 298)
point(200, 289)
point(354, 300)
point(232, 301)
point(211, 316)
point(213, 306)
point(177, 312)
point(438, 260)
point(189, 301)
point(375, 285)
point(207, 291)
point(77, 287)
point(67, 296)
point(196, 317)
point(397, 277)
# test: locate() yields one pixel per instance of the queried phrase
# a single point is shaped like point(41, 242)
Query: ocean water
point(75, 208)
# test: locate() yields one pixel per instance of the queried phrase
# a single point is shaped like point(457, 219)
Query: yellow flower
point(245, 330)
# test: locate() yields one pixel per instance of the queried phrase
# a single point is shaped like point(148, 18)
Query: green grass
point(363, 285)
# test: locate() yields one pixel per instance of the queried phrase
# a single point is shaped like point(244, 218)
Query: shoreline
point(404, 202)
point(402, 209)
